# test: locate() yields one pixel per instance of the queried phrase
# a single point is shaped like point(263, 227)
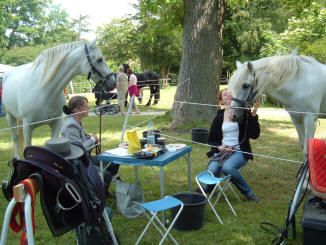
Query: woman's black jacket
point(248, 121)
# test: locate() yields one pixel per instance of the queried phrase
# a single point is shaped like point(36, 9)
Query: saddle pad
point(317, 166)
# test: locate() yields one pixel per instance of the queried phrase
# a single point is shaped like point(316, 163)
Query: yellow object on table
point(134, 144)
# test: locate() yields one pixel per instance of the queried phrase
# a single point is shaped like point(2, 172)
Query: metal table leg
point(189, 170)
point(162, 191)
point(187, 157)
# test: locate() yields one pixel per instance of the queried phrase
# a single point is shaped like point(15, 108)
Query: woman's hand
point(95, 137)
point(225, 149)
point(255, 109)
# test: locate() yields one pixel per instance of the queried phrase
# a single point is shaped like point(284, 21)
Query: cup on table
point(143, 142)
point(161, 141)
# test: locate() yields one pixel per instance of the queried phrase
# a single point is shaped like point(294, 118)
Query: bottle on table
point(150, 134)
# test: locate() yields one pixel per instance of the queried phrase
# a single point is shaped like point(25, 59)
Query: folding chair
point(229, 186)
point(208, 178)
point(160, 205)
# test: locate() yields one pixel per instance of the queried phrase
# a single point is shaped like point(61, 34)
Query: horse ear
point(250, 67)
point(238, 64)
point(93, 43)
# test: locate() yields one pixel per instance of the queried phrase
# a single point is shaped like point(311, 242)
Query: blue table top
point(161, 160)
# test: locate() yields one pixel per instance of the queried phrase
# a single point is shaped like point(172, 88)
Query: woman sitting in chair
point(230, 145)
point(73, 129)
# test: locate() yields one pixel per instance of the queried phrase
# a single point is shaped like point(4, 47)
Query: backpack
point(317, 167)
point(71, 190)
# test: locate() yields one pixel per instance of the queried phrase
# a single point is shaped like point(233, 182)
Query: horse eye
point(100, 60)
point(246, 85)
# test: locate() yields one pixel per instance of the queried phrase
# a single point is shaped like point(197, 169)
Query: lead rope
point(245, 132)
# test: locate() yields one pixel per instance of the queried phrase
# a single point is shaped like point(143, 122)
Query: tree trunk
point(200, 62)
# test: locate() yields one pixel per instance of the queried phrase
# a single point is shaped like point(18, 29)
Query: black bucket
point(199, 135)
point(192, 215)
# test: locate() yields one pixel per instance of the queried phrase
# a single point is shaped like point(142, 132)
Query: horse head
point(244, 84)
point(99, 70)
point(126, 67)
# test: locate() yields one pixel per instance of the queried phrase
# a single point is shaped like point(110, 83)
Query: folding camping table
point(160, 161)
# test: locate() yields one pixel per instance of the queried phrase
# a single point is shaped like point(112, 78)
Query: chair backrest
point(317, 167)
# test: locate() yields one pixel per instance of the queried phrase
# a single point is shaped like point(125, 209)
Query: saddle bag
point(317, 167)
point(71, 191)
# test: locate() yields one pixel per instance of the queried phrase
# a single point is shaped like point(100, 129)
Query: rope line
point(151, 118)
point(207, 145)
point(194, 142)
point(175, 101)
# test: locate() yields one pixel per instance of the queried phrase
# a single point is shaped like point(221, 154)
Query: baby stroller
point(103, 105)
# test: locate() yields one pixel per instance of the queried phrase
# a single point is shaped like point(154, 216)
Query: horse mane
point(52, 59)
point(273, 71)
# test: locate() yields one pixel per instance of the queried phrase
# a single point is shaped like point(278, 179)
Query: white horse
point(298, 82)
point(34, 92)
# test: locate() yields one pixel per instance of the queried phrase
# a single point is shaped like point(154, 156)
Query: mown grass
point(272, 180)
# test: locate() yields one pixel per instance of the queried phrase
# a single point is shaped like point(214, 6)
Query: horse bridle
point(94, 69)
point(249, 101)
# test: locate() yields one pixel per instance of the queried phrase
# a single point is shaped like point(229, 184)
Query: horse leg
point(156, 94)
point(310, 128)
point(14, 136)
point(27, 131)
point(151, 89)
point(299, 125)
point(150, 100)
point(56, 127)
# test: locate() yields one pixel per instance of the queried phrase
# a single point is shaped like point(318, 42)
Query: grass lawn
point(272, 180)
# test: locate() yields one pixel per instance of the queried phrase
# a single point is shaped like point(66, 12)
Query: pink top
point(132, 80)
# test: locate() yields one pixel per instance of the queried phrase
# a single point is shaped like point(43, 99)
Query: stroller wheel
point(99, 109)
point(113, 109)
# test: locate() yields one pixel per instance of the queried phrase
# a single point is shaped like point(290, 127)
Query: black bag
point(96, 234)
point(71, 191)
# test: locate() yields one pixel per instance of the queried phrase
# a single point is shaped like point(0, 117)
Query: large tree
point(117, 40)
point(200, 61)
point(202, 25)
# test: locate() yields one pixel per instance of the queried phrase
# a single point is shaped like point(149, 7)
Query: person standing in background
point(133, 90)
point(122, 87)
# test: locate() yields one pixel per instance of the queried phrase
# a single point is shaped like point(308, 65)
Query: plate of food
point(177, 146)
